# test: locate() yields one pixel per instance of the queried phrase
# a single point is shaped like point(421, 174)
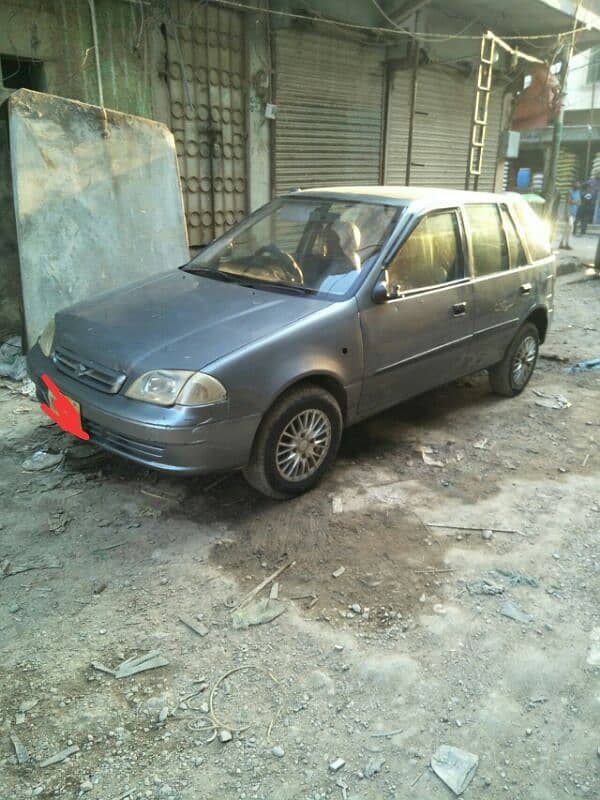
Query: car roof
point(405, 195)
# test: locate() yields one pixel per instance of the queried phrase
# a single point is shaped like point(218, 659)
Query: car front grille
point(119, 443)
point(85, 371)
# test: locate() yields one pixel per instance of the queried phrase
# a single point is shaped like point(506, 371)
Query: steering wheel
point(286, 260)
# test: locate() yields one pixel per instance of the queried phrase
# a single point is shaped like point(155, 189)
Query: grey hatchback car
point(318, 310)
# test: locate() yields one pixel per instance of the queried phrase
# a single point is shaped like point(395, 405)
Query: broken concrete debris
point(132, 666)
point(338, 572)
point(455, 767)
point(41, 460)
point(517, 578)
point(62, 756)
point(278, 751)
point(336, 764)
point(193, 625)
point(373, 766)
point(225, 736)
point(12, 361)
point(512, 611)
point(258, 613)
point(428, 458)
point(21, 751)
point(554, 401)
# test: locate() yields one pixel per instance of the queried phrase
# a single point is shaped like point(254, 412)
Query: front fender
point(328, 343)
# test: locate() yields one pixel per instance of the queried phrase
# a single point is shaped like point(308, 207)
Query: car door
point(420, 336)
point(500, 280)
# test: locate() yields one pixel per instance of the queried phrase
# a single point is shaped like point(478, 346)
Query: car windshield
point(309, 244)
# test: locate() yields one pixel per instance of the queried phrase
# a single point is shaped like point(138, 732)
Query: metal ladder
point(480, 110)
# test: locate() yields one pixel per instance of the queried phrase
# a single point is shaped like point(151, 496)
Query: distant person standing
point(586, 209)
point(574, 204)
point(567, 213)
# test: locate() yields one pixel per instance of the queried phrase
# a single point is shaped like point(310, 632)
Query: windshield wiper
point(289, 287)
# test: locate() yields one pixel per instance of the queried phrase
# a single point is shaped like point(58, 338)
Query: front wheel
point(512, 374)
point(296, 443)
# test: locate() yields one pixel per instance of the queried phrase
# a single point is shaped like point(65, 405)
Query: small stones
point(336, 764)
point(487, 535)
point(278, 751)
point(528, 731)
point(86, 786)
point(225, 736)
point(338, 572)
point(356, 608)
point(338, 647)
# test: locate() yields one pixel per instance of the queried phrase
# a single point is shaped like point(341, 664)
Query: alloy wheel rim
point(303, 445)
point(523, 362)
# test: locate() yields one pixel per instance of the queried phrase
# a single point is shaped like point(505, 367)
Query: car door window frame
point(509, 219)
point(522, 237)
point(461, 241)
point(469, 234)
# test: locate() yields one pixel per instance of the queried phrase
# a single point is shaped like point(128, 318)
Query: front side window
point(490, 251)
point(308, 244)
point(430, 256)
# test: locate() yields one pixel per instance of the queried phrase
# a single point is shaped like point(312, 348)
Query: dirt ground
point(115, 554)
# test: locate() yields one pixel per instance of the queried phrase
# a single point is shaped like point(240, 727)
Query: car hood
point(175, 321)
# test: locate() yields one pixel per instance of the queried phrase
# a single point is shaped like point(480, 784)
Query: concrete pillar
point(258, 82)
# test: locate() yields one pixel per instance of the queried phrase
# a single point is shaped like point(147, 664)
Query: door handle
point(525, 288)
point(459, 309)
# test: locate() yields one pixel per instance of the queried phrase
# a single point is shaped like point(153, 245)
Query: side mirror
point(380, 293)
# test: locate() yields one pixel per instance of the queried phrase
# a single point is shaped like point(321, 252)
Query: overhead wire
point(394, 31)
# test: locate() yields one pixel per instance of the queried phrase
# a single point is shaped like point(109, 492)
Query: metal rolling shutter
point(397, 128)
point(329, 96)
point(442, 128)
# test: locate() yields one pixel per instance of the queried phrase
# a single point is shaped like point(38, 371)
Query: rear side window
point(431, 255)
point(534, 229)
point(515, 246)
point(490, 252)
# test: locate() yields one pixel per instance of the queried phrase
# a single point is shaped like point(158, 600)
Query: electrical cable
point(433, 37)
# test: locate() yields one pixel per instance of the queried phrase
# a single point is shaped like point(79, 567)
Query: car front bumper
point(178, 439)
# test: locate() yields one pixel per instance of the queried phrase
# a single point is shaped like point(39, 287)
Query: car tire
point(296, 443)
point(512, 374)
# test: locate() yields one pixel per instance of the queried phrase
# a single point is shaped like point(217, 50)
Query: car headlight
point(167, 387)
point(46, 339)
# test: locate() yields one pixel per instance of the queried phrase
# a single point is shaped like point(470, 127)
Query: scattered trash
point(454, 767)
point(555, 401)
point(338, 572)
point(258, 613)
point(337, 764)
point(132, 666)
point(582, 366)
point(374, 765)
point(484, 587)
point(56, 759)
point(428, 459)
point(12, 361)
point(517, 578)
point(473, 529)
point(251, 595)
point(196, 627)
point(7, 568)
point(512, 611)
point(593, 657)
point(21, 751)
point(42, 460)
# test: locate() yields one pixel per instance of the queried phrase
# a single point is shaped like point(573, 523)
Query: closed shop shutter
point(442, 129)
point(208, 118)
point(329, 96)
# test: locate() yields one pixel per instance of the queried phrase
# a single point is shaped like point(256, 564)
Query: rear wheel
point(513, 373)
point(296, 443)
